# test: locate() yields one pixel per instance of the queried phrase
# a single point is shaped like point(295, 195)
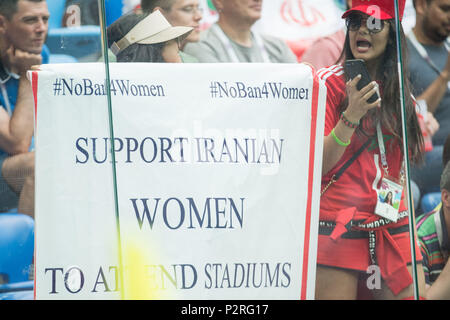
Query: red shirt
point(356, 187)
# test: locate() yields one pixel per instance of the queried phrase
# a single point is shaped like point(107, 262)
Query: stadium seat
point(83, 43)
point(16, 246)
point(16, 254)
point(430, 201)
point(18, 295)
point(113, 10)
point(17, 291)
point(56, 9)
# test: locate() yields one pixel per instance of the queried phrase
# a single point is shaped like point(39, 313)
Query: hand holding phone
point(355, 67)
point(362, 93)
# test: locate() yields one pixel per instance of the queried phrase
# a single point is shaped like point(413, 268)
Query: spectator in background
point(232, 40)
point(23, 30)
point(326, 51)
point(429, 66)
point(179, 13)
point(429, 126)
point(146, 38)
point(433, 230)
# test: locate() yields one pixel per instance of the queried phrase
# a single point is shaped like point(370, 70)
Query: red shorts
point(352, 251)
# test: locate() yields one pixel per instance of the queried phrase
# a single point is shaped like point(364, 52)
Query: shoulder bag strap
point(347, 164)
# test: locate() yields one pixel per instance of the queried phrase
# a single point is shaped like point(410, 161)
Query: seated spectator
point(232, 40)
point(429, 65)
point(141, 38)
point(23, 30)
point(433, 232)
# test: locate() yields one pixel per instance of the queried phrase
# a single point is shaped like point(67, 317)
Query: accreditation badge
point(388, 199)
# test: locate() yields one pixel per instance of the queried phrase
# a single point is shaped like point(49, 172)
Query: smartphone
point(352, 68)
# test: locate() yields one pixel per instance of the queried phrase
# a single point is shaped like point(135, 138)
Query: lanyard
point(424, 54)
point(231, 53)
point(383, 158)
point(5, 92)
point(5, 96)
point(384, 163)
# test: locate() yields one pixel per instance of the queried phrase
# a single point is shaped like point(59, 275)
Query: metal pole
point(101, 5)
point(406, 153)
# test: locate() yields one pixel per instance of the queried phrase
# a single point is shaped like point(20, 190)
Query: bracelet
point(339, 141)
point(347, 122)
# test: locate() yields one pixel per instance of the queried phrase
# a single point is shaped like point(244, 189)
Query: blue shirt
point(11, 84)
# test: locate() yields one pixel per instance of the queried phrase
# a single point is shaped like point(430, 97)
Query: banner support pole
point(101, 5)
point(406, 153)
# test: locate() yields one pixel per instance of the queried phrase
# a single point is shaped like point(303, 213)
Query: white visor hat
point(152, 29)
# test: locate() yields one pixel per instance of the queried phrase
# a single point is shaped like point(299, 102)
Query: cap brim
point(167, 35)
point(379, 14)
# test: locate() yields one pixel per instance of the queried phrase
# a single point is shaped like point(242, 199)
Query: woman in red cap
point(360, 241)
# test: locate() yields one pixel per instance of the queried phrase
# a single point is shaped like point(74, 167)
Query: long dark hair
point(390, 112)
point(142, 53)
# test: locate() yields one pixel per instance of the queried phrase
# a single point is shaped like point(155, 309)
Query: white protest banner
point(218, 170)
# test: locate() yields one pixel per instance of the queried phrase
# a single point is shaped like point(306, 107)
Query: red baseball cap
point(380, 9)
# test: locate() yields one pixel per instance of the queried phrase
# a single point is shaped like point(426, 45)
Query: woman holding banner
point(359, 241)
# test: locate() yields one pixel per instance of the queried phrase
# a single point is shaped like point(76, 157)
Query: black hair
point(390, 114)
point(9, 7)
point(142, 53)
point(445, 178)
point(386, 199)
point(149, 5)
